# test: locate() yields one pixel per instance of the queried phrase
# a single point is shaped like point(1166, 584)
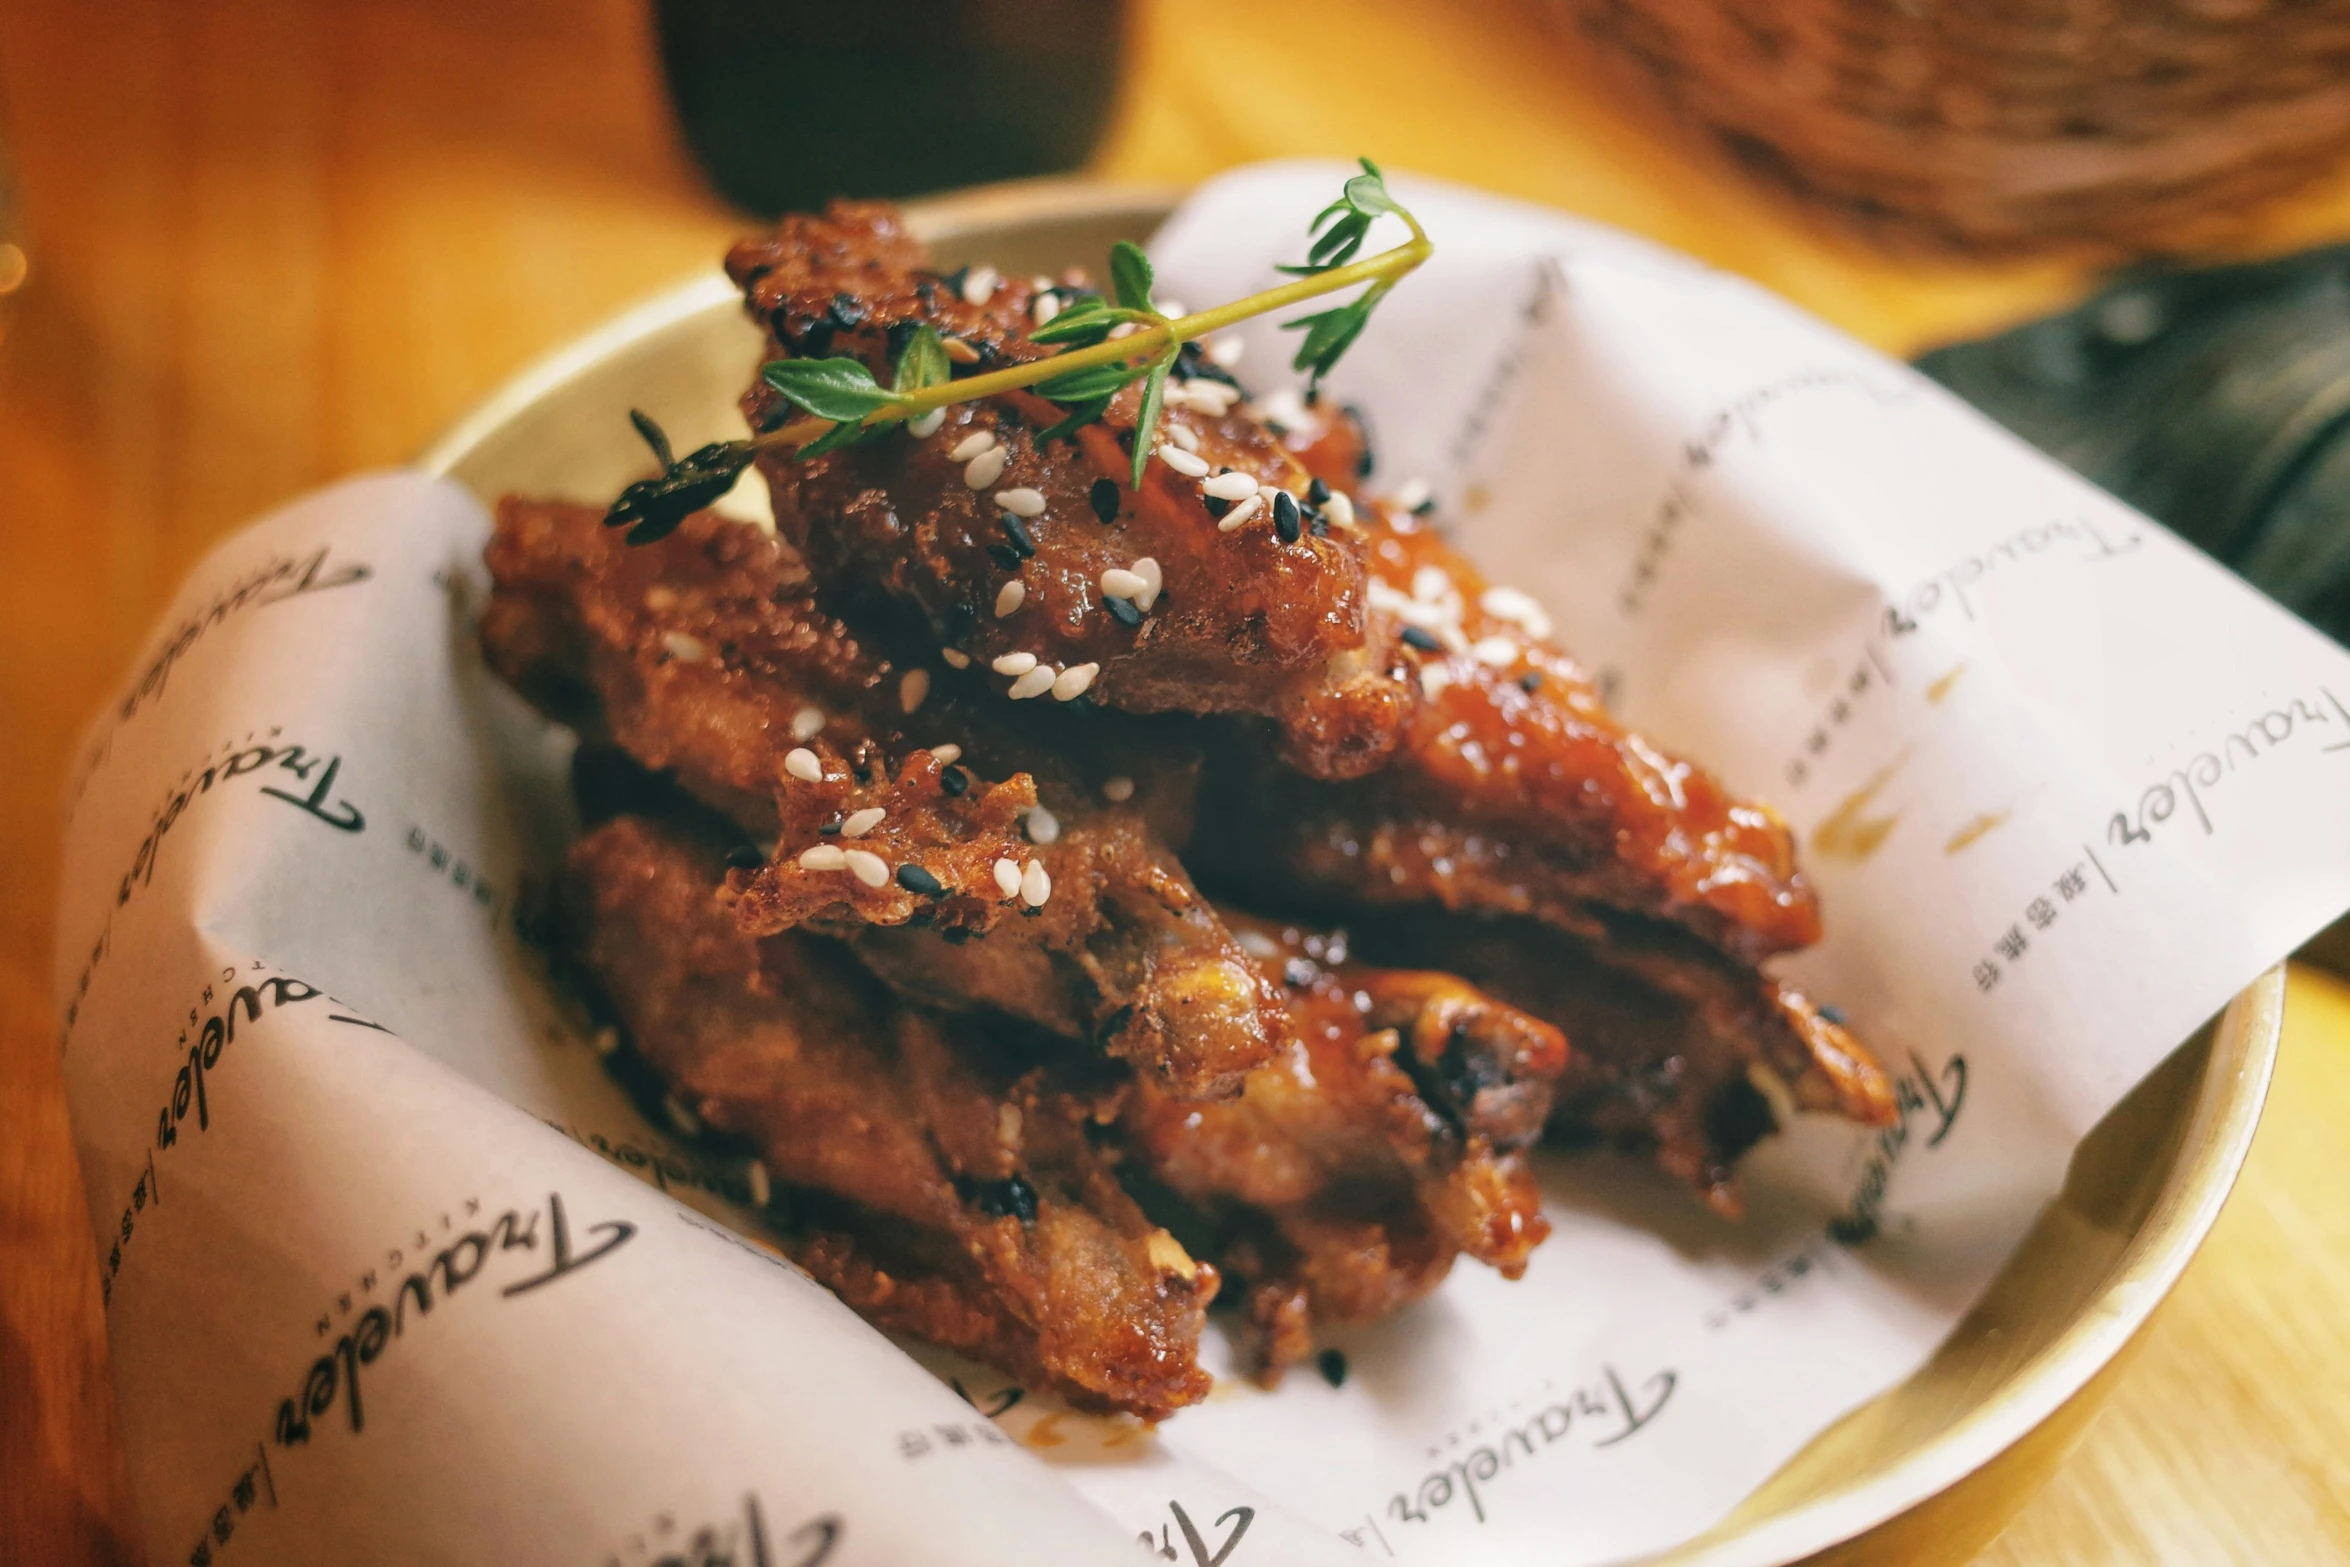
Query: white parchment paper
point(394, 1273)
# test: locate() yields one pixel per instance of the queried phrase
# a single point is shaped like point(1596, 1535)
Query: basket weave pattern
point(2005, 125)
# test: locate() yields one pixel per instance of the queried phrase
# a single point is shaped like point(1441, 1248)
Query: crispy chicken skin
point(1382, 1141)
point(954, 1192)
point(1245, 623)
point(707, 656)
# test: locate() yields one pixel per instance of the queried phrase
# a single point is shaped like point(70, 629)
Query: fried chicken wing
point(707, 656)
point(1010, 546)
point(954, 1191)
point(1384, 1140)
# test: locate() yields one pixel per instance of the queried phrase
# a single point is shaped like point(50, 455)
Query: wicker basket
point(2005, 125)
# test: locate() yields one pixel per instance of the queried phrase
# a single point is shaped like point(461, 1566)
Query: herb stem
point(1382, 271)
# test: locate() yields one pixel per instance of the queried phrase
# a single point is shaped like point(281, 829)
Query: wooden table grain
point(276, 241)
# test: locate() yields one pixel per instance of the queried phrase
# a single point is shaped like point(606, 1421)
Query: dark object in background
point(788, 103)
point(2216, 401)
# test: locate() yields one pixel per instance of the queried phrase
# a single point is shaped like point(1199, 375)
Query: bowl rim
point(2219, 1129)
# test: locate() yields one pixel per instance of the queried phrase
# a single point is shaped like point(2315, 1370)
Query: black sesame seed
point(1362, 422)
point(1425, 641)
point(1333, 1366)
point(847, 312)
point(1286, 521)
point(957, 278)
point(1317, 492)
point(1320, 526)
point(1005, 556)
point(1023, 542)
point(1298, 973)
point(1425, 507)
point(1123, 611)
point(915, 879)
point(1030, 913)
point(1834, 1015)
point(1104, 498)
point(744, 857)
point(954, 780)
point(828, 830)
point(1010, 1198)
point(1530, 682)
point(1217, 505)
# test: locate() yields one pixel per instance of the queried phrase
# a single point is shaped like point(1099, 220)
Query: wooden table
point(274, 241)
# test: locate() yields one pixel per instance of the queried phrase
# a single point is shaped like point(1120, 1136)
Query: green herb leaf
point(1330, 333)
point(1146, 425)
point(652, 508)
point(1367, 192)
point(1083, 323)
point(924, 363)
point(840, 435)
point(655, 437)
point(1130, 276)
point(827, 388)
point(1078, 386)
point(1080, 415)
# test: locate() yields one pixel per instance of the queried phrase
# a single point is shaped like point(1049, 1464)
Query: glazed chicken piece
point(706, 656)
point(1681, 1054)
point(1384, 1140)
point(951, 1192)
point(1005, 545)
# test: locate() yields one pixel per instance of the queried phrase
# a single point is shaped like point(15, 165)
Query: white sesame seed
point(1007, 1125)
point(979, 285)
point(1431, 583)
point(1009, 597)
point(1215, 397)
point(1413, 495)
point(660, 599)
point(607, 1038)
point(1119, 583)
point(1500, 652)
point(948, 755)
point(1181, 435)
point(1021, 502)
point(1257, 944)
point(1040, 282)
point(1044, 307)
point(1230, 522)
point(955, 657)
point(1340, 509)
point(682, 647)
point(801, 763)
point(1234, 486)
point(1119, 789)
point(1183, 462)
point(1284, 407)
point(1035, 885)
point(1225, 351)
point(1433, 679)
point(867, 867)
point(984, 469)
point(972, 445)
point(807, 723)
point(1148, 570)
point(680, 1117)
point(960, 352)
point(1013, 663)
point(1043, 826)
point(1125, 329)
point(913, 686)
point(762, 1192)
point(859, 823)
point(1510, 604)
point(1007, 876)
point(823, 857)
point(1035, 683)
point(1072, 682)
point(926, 425)
point(1455, 640)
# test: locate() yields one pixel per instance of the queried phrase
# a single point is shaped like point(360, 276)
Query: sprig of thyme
point(844, 403)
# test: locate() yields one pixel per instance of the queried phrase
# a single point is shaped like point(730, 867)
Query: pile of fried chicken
point(1087, 902)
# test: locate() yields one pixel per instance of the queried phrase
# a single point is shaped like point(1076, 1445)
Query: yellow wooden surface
point(274, 241)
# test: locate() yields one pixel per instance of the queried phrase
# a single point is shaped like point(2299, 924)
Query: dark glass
point(787, 103)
